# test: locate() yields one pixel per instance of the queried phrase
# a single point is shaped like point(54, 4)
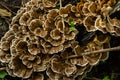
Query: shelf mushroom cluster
point(40, 40)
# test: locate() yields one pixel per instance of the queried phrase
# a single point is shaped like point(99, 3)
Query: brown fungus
point(18, 70)
point(114, 27)
point(49, 3)
point(89, 23)
point(25, 19)
point(61, 68)
point(40, 40)
point(37, 76)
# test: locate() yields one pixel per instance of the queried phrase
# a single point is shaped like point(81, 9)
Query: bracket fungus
point(40, 41)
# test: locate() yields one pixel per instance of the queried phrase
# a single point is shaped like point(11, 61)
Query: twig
point(60, 3)
point(95, 52)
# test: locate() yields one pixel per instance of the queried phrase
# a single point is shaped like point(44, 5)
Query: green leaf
point(72, 28)
point(72, 23)
point(106, 78)
point(3, 74)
